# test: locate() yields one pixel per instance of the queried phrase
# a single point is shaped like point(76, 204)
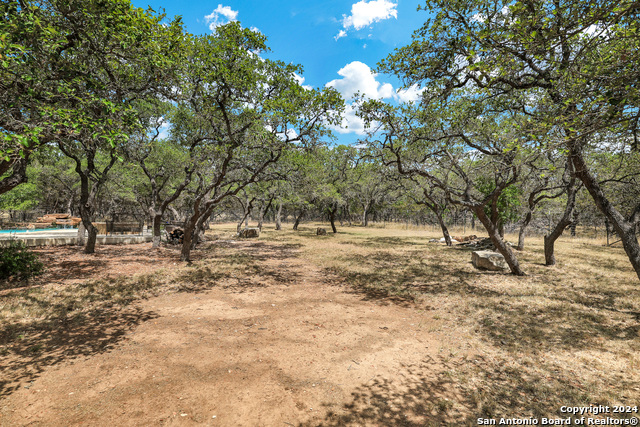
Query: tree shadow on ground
point(560, 318)
point(555, 324)
point(241, 267)
point(454, 391)
point(419, 395)
point(400, 278)
point(386, 242)
point(27, 349)
point(42, 327)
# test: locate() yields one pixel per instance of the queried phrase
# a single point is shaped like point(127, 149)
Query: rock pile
point(55, 219)
point(249, 233)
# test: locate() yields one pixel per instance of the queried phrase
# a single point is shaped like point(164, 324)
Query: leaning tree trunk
point(445, 230)
point(499, 242)
point(623, 227)
point(565, 221)
point(435, 208)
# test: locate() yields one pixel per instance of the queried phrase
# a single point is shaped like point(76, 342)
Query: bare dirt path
point(290, 346)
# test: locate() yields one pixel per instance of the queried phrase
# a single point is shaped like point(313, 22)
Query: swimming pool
point(27, 231)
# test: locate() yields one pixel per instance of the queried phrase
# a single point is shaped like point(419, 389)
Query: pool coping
point(48, 239)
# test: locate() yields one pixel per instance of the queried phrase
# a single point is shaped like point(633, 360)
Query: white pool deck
point(70, 237)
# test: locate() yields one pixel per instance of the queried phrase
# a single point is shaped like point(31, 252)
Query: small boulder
point(488, 260)
point(249, 233)
point(321, 232)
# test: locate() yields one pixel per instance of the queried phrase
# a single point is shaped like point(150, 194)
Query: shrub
point(17, 262)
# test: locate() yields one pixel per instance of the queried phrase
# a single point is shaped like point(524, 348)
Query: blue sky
point(337, 42)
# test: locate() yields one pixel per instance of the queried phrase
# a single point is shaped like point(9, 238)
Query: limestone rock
point(488, 260)
point(453, 240)
point(321, 231)
point(249, 233)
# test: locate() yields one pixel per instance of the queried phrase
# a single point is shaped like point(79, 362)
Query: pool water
point(27, 231)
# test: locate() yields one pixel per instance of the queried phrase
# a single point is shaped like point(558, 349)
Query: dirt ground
point(372, 326)
point(290, 345)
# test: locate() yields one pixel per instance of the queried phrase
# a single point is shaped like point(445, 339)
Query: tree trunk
point(332, 219)
point(91, 240)
point(187, 240)
point(156, 220)
point(297, 222)
point(177, 215)
point(82, 239)
point(523, 231)
point(624, 228)
point(365, 221)
point(498, 242)
point(574, 223)
point(279, 216)
point(563, 223)
point(68, 204)
point(445, 230)
point(85, 214)
point(263, 209)
point(18, 173)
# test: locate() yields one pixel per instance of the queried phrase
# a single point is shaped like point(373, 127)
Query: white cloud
point(411, 94)
point(358, 77)
point(300, 81)
point(221, 15)
point(284, 134)
point(350, 122)
point(364, 14)
point(341, 34)
point(291, 134)
point(164, 129)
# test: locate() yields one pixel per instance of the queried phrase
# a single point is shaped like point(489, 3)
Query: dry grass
point(524, 346)
point(566, 335)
